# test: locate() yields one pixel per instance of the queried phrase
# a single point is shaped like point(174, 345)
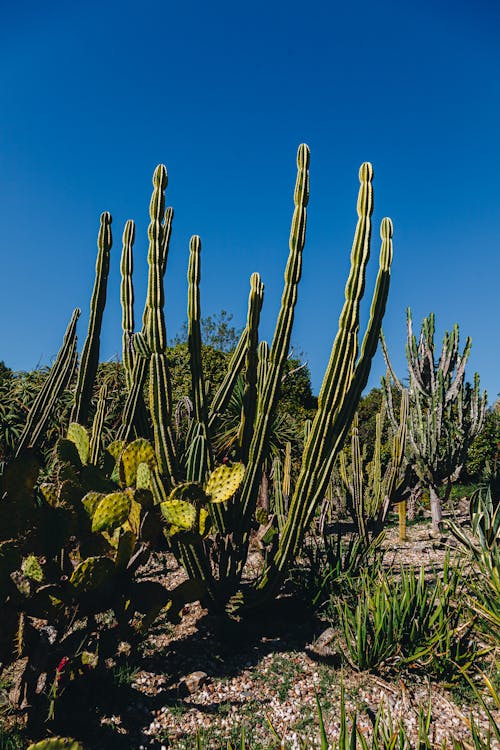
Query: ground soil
point(268, 671)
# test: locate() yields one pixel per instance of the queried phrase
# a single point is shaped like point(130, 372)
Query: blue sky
point(95, 94)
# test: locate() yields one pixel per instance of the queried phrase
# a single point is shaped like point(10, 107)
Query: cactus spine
point(90, 353)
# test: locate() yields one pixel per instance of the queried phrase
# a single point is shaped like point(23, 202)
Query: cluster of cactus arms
point(210, 534)
point(100, 512)
point(71, 547)
point(367, 489)
point(445, 412)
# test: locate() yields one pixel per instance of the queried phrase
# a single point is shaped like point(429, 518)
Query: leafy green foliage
point(406, 620)
point(483, 454)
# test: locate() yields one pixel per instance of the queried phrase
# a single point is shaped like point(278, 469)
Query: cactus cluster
point(367, 488)
point(445, 412)
point(98, 517)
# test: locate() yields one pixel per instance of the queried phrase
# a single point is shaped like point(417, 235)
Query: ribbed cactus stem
point(153, 318)
point(97, 425)
point(90, 354)
point(263, 362)
point(194, 333)
point(251, 368)
point(402, 520)
point(154, 329)
point(281, 342)
point(127, 300)
point(237, 362)
point(57, 381)
point(197, 461)
point(167, 231)
point(287, 473)
point(342, 386)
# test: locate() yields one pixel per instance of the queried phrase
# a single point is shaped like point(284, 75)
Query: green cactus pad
point(91, 501)
point(134, 516)
point(143, 477)
point(224, 481)
point(32, 569)
point(113, 539)
point(115, 448)
point(56, 743)
point(204, 522)
point(49, 491)
point(138, 452)
point(90, 574)
point(67, 453)
point(179, 513)
point(111, 512)
point(80, 437)
point(189, 492)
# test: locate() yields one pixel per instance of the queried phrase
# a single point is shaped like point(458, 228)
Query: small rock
point(322, 644)
point(191, 683)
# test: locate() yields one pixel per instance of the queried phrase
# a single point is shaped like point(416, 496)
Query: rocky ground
point(215, 677)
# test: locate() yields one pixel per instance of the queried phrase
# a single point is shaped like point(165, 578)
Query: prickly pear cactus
point(180, 514)
point(90, 574)
point(136, 453)
point(56, 743)
point(67, 455)
point(224, 481)
point(80, 437)
point(32, 569)
point(189, 492)
point(49, 491)
point(91, 501)
point(115, 448)
point(143, 477)
point(111, 512)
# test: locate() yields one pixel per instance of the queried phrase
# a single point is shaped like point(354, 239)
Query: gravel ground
point(215, 678)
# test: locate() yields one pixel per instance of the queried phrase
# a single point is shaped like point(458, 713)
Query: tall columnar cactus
point(57, 381)
point(262, 369)
point(160, 396)
point(344, 380)
point(194, 333)
point(90, 354)
point(445, 412)
point(127, 300)
point(253, 364)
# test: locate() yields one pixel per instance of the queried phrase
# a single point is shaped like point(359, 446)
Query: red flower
point(60, 667)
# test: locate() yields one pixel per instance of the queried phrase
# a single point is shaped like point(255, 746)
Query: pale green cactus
point(111, 512)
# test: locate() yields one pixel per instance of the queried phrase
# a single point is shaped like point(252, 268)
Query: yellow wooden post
point(402, 520)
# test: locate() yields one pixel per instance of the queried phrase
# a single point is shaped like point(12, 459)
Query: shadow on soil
point(221, 647)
